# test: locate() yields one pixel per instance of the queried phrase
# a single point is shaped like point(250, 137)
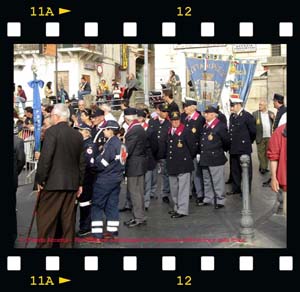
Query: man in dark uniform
point(160, 126)
point(168, 98)
point(19, 162)
point(213, 142)
point(107, 184)
point(98, 121)
point(180, 153)
point(194, 121)
point(242, 132)
point(59, 176)
point(278, 101)
point(85, 200)
point(136, 166)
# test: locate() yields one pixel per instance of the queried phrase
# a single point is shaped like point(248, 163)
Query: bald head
point(262, 105)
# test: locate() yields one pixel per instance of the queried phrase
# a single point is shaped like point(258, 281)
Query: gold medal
point(194, 130)
point(258, 122)
point(210, 137)
point(179, 144)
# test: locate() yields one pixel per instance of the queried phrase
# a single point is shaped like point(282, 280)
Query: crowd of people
point(87, 154)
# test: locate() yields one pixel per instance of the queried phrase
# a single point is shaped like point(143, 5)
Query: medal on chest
point(194, 130)
point(179, 144)
point(210, 137)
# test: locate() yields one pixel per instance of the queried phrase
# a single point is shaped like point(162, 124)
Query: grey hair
point(62, 111)
point(130, 118)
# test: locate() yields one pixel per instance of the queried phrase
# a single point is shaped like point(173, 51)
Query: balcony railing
point(99, 48)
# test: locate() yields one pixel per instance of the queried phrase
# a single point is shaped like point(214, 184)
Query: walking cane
point(33, 216)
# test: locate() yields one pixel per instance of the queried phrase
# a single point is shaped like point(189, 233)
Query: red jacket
point(277, 151)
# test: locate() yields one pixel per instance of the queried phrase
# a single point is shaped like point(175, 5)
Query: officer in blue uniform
point(242, 131)
point(214, 141)
point(87, 188)
point(98, 137)
point(105, 199)
point(194, 121)
point(180, 153)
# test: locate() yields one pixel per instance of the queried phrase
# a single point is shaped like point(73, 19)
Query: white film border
point(168, 29)
point(131, 263)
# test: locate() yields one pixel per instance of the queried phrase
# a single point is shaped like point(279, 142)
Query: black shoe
point(199, 201)
point(82, 233)
point(204, 204)
point(232, 193)
point(219, 206)
point(229, 181)
point(172, 212)
point(178, 215)
point(129, 222)
point(166, 200)
point(134, 224)
point(124, 209)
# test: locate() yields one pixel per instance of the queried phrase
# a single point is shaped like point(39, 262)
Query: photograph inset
point(149, 146)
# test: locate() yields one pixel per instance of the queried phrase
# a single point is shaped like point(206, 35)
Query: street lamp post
point(247, 230)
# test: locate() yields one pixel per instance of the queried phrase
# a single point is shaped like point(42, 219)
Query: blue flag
point(37, 112)
point(208, 77)
point(243, 78)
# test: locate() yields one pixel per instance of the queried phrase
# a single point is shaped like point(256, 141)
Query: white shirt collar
point(240, 111)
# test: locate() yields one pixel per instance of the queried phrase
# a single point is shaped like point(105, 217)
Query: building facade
point(270, 74)
point(93, 61)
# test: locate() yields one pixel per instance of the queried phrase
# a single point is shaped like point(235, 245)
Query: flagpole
point(205, 78)
point(56, 73)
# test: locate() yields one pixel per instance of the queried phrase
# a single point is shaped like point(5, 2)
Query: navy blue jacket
point(107, 163)
point(213, 142)
point(89, 174)
point(195, 126)
point(242, 131)
point(159, 138)
point(279, 114)
point(180, 151)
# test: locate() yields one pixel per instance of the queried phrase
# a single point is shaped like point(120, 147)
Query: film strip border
point(168, 29)
point(168, 263)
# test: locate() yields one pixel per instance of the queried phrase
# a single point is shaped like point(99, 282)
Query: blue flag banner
point(243, 78)
point(37, 112)
point(208, 77)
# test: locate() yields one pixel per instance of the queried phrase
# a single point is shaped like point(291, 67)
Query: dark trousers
point(105, 201)
point(128, 93)
point(85, 207)
point(55, 206)
point(236, 171)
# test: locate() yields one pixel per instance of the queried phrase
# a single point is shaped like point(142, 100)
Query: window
point(276, 50)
